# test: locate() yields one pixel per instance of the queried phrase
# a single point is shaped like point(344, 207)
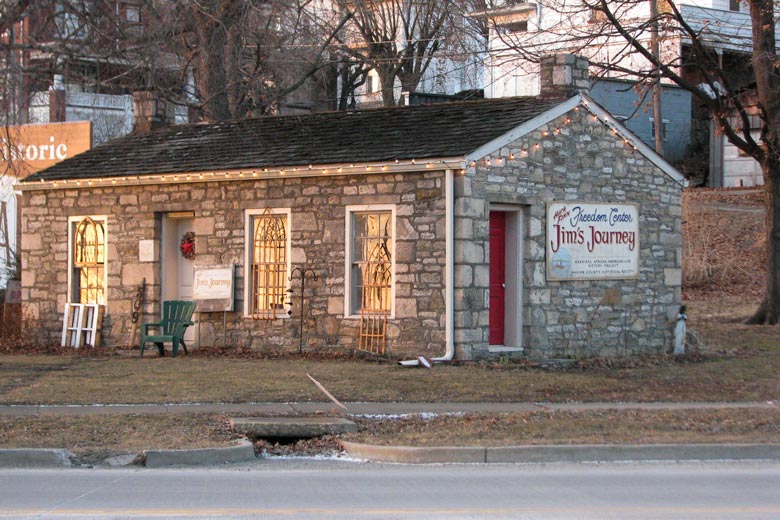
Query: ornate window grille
point(269, 266)
point(89, 262)
point(372, 277)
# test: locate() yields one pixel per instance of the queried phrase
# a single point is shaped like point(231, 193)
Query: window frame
point(73, 223)
point(249, 236)
point(349, 244)
point(664, 128)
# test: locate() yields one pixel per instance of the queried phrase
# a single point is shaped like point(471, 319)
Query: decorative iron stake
point(303, 273)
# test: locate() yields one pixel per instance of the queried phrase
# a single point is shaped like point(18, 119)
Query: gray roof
point(420, 132)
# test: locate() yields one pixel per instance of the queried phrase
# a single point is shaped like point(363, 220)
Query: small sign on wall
point(147, 250)
point(13, 292)
point(212, 288)
point(592, 241)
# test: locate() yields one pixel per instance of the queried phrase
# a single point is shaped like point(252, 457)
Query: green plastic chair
point(177, 316)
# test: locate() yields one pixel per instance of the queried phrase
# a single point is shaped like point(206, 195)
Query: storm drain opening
point(293, 436)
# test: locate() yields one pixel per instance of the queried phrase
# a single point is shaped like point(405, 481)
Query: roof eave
point(245, 174)
point(559, 110)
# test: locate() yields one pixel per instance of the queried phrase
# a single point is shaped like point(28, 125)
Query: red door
point(497, 277)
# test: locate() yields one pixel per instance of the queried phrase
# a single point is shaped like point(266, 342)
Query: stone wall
point(574, 158)
point(318, 242)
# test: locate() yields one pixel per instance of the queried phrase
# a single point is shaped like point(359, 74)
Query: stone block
point(128, 200)
point(305, 221)
point(31, 241)
point(470, 253)
point(672, 277)
point(204, 226)
point(406, 308)
point(134, 274)
point(336, 305)
point(29, 276)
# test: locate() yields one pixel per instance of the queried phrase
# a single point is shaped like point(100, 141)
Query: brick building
point(536, 226)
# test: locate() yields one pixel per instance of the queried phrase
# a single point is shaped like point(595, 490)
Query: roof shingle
point(404, 133)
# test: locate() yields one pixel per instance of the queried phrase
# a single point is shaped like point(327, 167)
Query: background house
point(520, 32)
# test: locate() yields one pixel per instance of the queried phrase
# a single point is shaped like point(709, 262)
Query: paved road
point(309, 490)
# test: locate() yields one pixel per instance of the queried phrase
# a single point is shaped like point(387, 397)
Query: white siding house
point(521, 30)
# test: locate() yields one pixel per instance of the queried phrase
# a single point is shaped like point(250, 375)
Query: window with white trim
point(268, 263)
point(87, 259)
point(664, 128)
point(370, 257)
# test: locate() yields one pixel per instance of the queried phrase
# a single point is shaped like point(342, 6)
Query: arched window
point(89, 262)
point(268, 265)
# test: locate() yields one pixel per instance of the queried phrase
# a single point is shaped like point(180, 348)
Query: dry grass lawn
point(735, 363)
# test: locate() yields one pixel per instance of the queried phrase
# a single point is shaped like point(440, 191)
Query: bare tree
point(615, 36)
point(246, 57)
point(221, 59)
point(398, 39)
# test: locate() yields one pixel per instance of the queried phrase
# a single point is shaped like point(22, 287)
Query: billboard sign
point(26, 149)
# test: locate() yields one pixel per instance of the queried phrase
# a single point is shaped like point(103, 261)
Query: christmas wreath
point(187, 245)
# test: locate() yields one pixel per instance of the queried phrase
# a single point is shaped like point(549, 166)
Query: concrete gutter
point(562, 453)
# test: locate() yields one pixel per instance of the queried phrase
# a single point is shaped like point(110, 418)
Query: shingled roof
point(444, 130)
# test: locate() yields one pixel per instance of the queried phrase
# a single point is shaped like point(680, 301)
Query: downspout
point(449, 275)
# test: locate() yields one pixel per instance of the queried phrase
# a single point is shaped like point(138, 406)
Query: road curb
point(415, 455)
point(242, 451)
point(35, 458)
point(561, 453)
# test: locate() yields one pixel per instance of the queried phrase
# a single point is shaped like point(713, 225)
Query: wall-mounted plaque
point(592, 241)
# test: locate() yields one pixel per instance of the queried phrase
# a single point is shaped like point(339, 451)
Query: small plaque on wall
point(147, 250)
point(212, 288)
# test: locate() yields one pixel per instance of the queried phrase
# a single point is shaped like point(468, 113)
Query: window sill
point(283, 316)
point(390, 317)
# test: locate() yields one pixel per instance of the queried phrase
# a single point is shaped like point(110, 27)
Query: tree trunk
point(767, 85)
point(211, 80)
point(769, 311)
point(387, 80)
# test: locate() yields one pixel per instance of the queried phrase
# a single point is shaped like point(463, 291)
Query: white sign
point(592, 241)
point(147, 250)
point(212, 288)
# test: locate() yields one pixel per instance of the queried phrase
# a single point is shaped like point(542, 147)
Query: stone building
point(531, 226)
